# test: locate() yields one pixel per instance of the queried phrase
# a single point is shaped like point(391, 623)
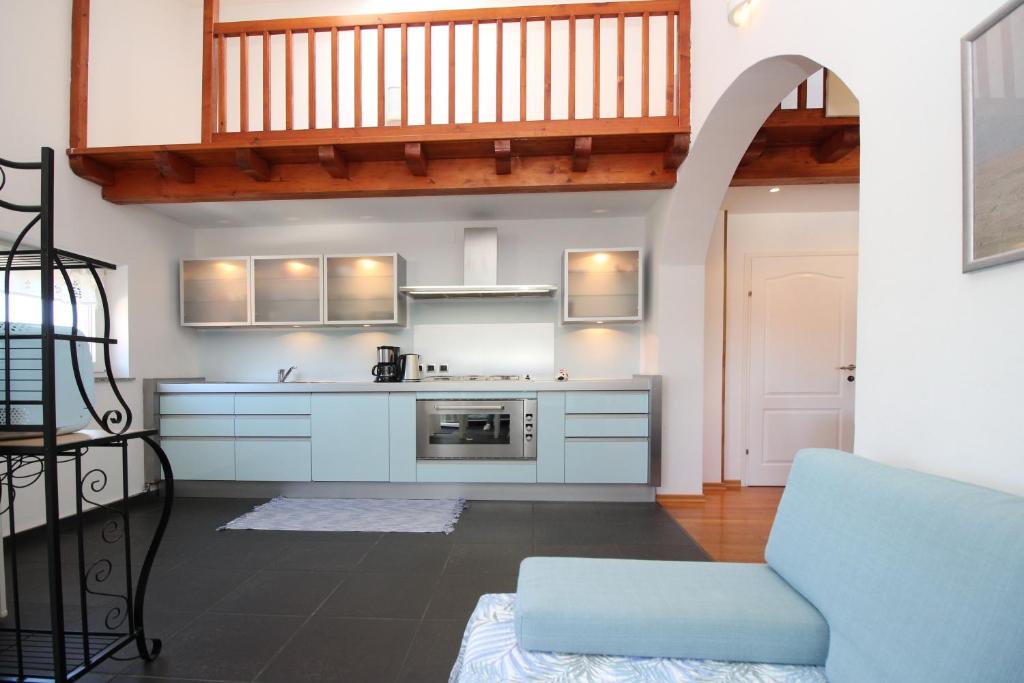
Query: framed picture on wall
point(993, 119)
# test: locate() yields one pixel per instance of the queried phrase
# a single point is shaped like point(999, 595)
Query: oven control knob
point(529, 437)
point(529, 428)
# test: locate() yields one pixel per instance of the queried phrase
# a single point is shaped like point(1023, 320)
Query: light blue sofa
point(876, 573)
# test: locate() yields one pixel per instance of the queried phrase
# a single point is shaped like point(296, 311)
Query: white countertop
point(635, 383)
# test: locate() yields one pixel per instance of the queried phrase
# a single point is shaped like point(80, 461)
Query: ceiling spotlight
point(738, 11)
point(773, 190)
point(366, 218)
point(599, 211)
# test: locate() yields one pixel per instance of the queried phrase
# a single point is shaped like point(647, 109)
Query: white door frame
point(743, 425)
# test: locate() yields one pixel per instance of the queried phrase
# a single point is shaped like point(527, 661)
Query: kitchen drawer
point(606, 461)
point(192, 425)
point(477, 472)
point(622, 402)
point(606, 425)
point(272, 404)
point(202, 459)
point(197, 404)
point(273, 460)
point(278, 425)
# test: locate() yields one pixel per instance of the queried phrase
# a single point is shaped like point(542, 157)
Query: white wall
point(939, 352)
point(34, 74)
point(528, 253)
point(755, 227)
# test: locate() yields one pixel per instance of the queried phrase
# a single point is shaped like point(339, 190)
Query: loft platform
point(580, 129)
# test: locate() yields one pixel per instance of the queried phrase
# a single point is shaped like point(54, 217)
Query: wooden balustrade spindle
point(645, 68)
point(801, 96)
point(597, 66)
point(621, 68)
point(380, 75)
point(428, 116)
point(243, 83)
point(222, 86)
point(266, 80)
point(547, 68)
point(522, 69)
point(670, 61)
point(405, 75)
point(288, 84)
point(311, 50)
point(499, 72)
point(80, 44)
point(334, 77)
point(572, 67)
point(451, 72)
point(476, 71)
point(357, 85)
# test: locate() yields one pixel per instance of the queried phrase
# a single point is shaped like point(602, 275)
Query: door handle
point(848, 368)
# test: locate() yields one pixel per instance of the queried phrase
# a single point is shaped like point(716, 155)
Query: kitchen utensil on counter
point(409, 367)
point(386, 369)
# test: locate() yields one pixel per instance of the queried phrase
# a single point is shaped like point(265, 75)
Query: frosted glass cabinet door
point(215, 292)
point(286, 290)
point(603, 285)
point(362, 289)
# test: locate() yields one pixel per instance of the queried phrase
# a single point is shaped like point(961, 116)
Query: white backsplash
point(489, 349)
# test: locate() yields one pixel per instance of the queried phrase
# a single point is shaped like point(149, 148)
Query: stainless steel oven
point(477, 429)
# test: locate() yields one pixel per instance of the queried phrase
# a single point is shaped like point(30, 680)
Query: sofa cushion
point(641, 608)
point(921, 579)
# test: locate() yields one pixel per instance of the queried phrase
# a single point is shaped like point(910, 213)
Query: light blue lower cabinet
point(272, 404)
point(606, 461)
point(350, 437)
point(607, 402)
point(197, 404)
point(476, 472)
point(275, 425)
point(272, 460)
point(197, 425)
point(606, 425)
point(201, 459)
point(402, 436)
point(551, 437)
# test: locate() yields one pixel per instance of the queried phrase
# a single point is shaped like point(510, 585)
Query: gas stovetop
point(476, 378)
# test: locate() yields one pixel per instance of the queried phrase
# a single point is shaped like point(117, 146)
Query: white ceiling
point(555, 205)
point(792, 199)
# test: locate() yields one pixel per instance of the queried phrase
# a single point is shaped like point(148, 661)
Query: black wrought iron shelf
point(32, 451)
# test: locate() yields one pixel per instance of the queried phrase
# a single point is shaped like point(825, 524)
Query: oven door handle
point(478, 408)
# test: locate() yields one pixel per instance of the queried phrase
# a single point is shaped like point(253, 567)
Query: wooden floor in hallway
point(732, 524)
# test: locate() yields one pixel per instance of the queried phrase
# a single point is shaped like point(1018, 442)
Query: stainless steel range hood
point(479, 274)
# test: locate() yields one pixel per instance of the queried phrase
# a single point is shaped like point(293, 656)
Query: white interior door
point(802, 349)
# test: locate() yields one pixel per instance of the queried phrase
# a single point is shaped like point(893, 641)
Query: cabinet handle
point(478, 408)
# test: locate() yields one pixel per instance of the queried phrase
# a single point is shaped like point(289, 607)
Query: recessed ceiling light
point(223, 221)
point(366, 218)
point(599, 211)
point(773, 190)
point(291, 219)
point(600, 322)
point(365, 325)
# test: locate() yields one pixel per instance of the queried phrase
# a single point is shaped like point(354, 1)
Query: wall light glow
point(739, 11)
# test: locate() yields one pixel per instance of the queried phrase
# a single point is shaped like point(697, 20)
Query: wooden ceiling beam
point(332, 158)
point(797, 165)
point(92, 170)
point(175, 167)
point(676, 151)
point(392, 179)
point(253, 165)
point(838, 145)
point(415, 158)
point(756, 149)
point(581, 149)
point(502, 157)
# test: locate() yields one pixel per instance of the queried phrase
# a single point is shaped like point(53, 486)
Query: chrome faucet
point(282, 375)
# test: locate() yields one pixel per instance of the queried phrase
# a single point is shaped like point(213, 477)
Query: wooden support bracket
point(676, 151)
point(415, 159)
point(332, 158)
point(502, 157)
point(92, 170)
point(175, 167)
point(756, 149)
point(252, 164)
point(581, 148)
point(837, 145)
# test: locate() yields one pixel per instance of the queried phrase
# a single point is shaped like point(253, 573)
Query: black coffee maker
point(386, 369)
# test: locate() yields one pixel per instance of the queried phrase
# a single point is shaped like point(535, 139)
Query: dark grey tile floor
point(307, 606)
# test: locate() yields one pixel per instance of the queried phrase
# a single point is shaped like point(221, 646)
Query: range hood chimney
point(479, 273)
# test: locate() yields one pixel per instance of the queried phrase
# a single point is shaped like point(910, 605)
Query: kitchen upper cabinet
point(362, 289)
point(350, 437)
point(286, 290)
point(603, 285)
point(215, 292)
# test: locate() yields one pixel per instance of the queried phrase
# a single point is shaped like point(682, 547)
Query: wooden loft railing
point(590, 96)
point(800, 143)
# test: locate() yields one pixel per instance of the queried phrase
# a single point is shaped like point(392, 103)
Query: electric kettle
point(409, 367)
